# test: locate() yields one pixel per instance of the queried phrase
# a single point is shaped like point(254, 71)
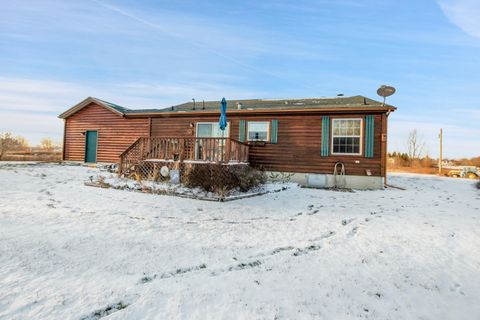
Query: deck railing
point(217, 150)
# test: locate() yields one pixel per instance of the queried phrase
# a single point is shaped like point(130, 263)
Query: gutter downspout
point(386, 147)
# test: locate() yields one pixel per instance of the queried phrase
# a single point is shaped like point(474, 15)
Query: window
point(258, 131)
point(346, 136)
point(211, 129)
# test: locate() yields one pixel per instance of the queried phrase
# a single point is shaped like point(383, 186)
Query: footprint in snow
point(278, 250)
point(108, 310)
point(456, 287)
point(324, 236)
point(306, 250)
point(352, 232)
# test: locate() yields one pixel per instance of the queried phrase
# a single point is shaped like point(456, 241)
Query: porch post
point(227, 151)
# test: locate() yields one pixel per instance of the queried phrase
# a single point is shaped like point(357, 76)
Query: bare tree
point(415, 145)
point(47, 144)
point(22, 143)
point(11, 143)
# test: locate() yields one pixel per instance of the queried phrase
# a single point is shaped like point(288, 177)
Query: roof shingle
point(244, 104)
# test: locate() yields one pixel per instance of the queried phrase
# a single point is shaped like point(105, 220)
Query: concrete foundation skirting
point(316, 180)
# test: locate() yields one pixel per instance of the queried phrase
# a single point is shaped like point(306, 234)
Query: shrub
point(478, 185)
point(222, 179)
point(282, 177)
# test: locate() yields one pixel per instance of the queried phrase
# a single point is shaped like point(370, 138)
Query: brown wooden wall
point(115, 133)
point(299, 143)
point(297, 150)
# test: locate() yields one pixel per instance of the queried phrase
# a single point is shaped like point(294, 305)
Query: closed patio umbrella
point(222, 122)
point(223, 116)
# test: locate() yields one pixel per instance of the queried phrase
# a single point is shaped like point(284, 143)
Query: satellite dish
point(385, 91)
point(164, 171)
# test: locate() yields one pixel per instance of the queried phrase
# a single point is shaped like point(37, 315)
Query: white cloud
point(45, 96)
point(465, 14)
point(472, 114)
point(29, 107)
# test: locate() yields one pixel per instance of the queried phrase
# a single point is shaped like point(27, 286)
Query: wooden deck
point(183, 149)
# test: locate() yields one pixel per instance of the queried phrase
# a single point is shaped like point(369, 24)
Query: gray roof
point(245, 104)
point(280, 104)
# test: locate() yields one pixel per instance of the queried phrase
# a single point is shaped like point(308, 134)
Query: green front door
point(91, 146)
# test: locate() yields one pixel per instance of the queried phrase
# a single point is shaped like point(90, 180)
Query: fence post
point(142, 149)
point(120, 165)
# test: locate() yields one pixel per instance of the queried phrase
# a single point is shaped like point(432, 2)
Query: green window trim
point(274, 132)
point(369, 135)
point(241, 131)
point(324, 152)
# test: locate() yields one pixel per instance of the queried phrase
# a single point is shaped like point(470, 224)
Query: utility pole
point(440, 158)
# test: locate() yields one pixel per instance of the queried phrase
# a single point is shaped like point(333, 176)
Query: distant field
point(33, 156)
point(415, 170)
point(433, 171)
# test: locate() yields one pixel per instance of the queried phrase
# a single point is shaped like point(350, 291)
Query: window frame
point(269, 125)
point(360, 152)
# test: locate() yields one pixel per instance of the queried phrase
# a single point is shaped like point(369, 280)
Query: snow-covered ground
point(68, 251)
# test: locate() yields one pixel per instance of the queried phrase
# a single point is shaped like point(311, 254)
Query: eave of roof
point(332, 110)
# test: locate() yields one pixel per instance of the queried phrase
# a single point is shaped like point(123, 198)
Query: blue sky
point(159, 53)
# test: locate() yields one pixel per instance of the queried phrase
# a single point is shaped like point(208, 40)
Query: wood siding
point(297, 150)
point(299, 142)
point(115, 133)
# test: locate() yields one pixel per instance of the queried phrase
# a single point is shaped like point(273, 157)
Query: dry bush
point(47, 144)
point(222, 179)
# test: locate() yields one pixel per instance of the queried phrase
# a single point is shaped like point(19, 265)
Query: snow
point(68, 251)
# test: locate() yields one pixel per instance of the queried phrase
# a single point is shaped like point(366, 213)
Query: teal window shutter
point(369, 136)
point(325, 136)
point(274, 132)
point(241, 131)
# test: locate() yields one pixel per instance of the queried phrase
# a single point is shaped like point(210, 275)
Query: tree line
point(10, 144)
point(416, 155)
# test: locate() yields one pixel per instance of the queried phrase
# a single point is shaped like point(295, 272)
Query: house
point(318, 140)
